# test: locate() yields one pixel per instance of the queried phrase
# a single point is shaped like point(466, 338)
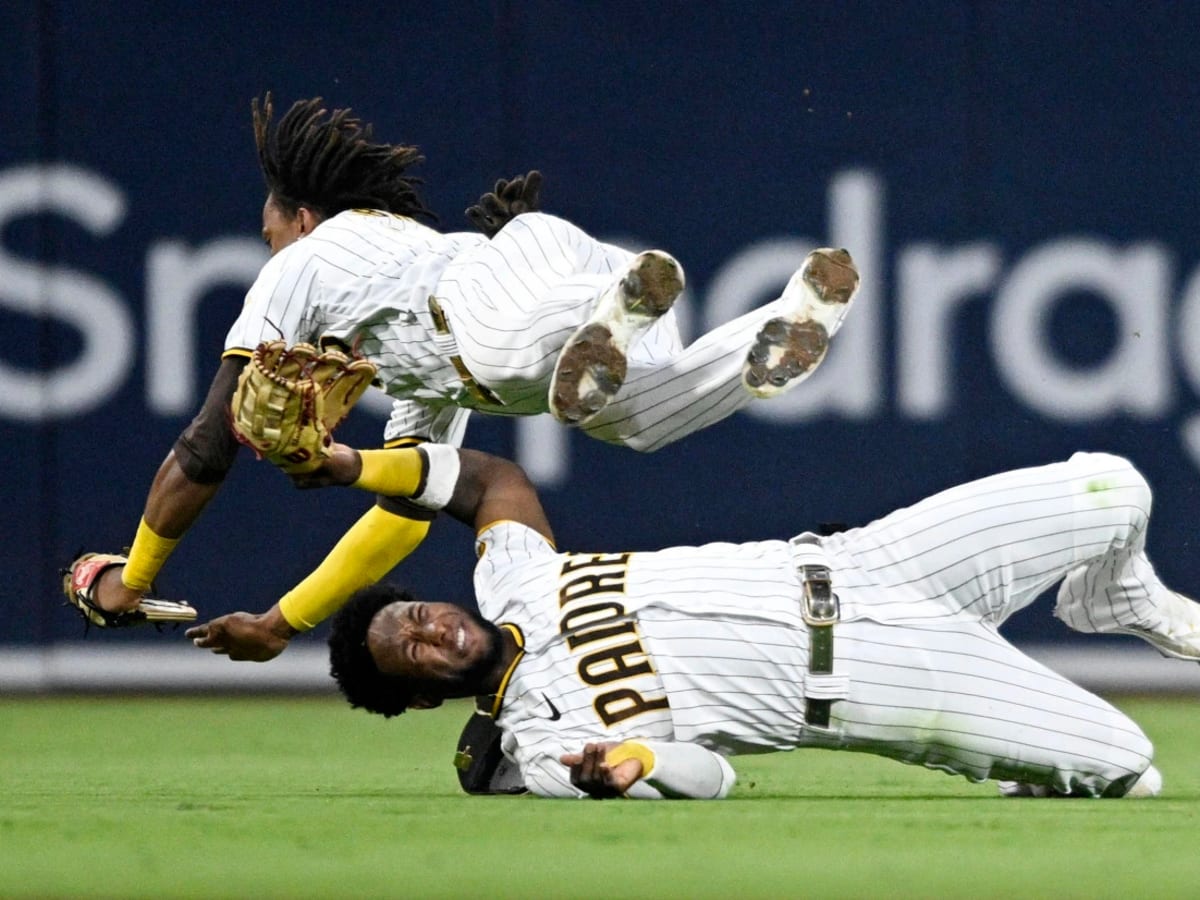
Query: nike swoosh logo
point(555, 715)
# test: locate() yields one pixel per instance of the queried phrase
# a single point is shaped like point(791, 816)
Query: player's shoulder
point(366, 221)
point(510, 538)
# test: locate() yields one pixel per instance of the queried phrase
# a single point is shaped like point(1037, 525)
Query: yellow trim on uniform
point(146, 557)
point(498, 697)
point(404, 442)
point(631, 750)
point(237, 351)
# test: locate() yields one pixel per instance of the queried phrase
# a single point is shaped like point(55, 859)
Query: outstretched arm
point(372, 547)
point(474, 487)
point(187, 480)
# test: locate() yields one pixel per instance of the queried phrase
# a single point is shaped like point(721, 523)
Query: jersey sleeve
point(515, 562)
point(280, 305)
point(416, 420)
point(507, 542)
point(681, 771)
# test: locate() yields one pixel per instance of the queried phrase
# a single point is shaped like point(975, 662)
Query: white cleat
point(789, 347)
point(1149, 784)
point(592, 364)
point(1180, 634)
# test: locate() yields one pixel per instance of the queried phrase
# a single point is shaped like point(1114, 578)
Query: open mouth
point(460, 639)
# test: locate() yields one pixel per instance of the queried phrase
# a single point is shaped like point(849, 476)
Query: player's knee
point(1114, 482)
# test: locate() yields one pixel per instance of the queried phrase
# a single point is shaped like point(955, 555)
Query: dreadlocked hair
point(327, 162)
point(351, 663)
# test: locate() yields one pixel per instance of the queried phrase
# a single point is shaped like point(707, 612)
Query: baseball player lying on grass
point(637, 674)
point(540, 317)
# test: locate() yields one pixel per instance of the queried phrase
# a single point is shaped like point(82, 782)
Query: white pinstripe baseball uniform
point(364, 278)
point(706, 645)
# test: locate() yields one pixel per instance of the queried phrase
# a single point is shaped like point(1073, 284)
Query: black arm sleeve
point(207, 448)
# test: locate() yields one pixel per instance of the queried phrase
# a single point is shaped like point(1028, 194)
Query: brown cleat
point(789, 347)
point(831, 275)
point(592, 364)
point(782, 352)
point(587, 376)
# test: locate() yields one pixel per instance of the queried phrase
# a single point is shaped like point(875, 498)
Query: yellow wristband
point(146, 557)
point(631, 750)
point(393, 473)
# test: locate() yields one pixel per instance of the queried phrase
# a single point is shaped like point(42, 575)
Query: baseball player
point(638, 674)
point(533, 315)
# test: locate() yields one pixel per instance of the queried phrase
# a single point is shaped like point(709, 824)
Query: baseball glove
point(506, 201)
point(80, 578)
point(289, 399)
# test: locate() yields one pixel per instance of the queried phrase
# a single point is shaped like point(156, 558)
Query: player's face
point(434, 642)
point(278, 228)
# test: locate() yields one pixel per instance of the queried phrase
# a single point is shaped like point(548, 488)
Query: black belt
point(821, 611)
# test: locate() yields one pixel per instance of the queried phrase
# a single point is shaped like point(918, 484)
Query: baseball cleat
point(1149, 784)
point(1180, 634)
point(789, 347)
point(592, 364)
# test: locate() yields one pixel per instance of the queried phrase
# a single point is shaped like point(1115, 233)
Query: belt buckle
point(821, 605)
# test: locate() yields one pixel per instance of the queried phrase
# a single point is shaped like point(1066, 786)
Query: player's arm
point(649, 770)
point(384, 536)
point(474, 487)
point(189, 477)
point(374, 545)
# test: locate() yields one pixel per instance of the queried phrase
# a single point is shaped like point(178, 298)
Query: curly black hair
point(327, 162)
point(351, 663)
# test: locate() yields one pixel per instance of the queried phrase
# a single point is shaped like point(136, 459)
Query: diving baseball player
point(540, 317)
point(641, 673)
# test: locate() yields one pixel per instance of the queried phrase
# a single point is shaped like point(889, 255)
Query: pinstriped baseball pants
point(515, 301)
point(926, 590)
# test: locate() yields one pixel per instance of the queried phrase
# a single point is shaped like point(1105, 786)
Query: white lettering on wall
point(1133, 282)
point(934, 283)
point(75, 298)
point(177, 279)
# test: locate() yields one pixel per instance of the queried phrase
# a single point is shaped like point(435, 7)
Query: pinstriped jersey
point(364, 278)
point(699, 644)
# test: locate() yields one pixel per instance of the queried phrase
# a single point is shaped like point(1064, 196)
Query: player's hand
point(342, 468)
point(244, 636)
point(113, 595)
point(506, 201)
point(592, 775)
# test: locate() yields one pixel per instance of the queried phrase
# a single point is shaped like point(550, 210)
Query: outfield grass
point(271, 797)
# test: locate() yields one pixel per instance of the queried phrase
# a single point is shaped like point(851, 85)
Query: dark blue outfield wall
point(1017, 181)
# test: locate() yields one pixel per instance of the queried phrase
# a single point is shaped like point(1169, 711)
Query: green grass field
point(283, 797)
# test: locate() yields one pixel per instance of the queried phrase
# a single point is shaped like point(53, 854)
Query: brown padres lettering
point(594, 617)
